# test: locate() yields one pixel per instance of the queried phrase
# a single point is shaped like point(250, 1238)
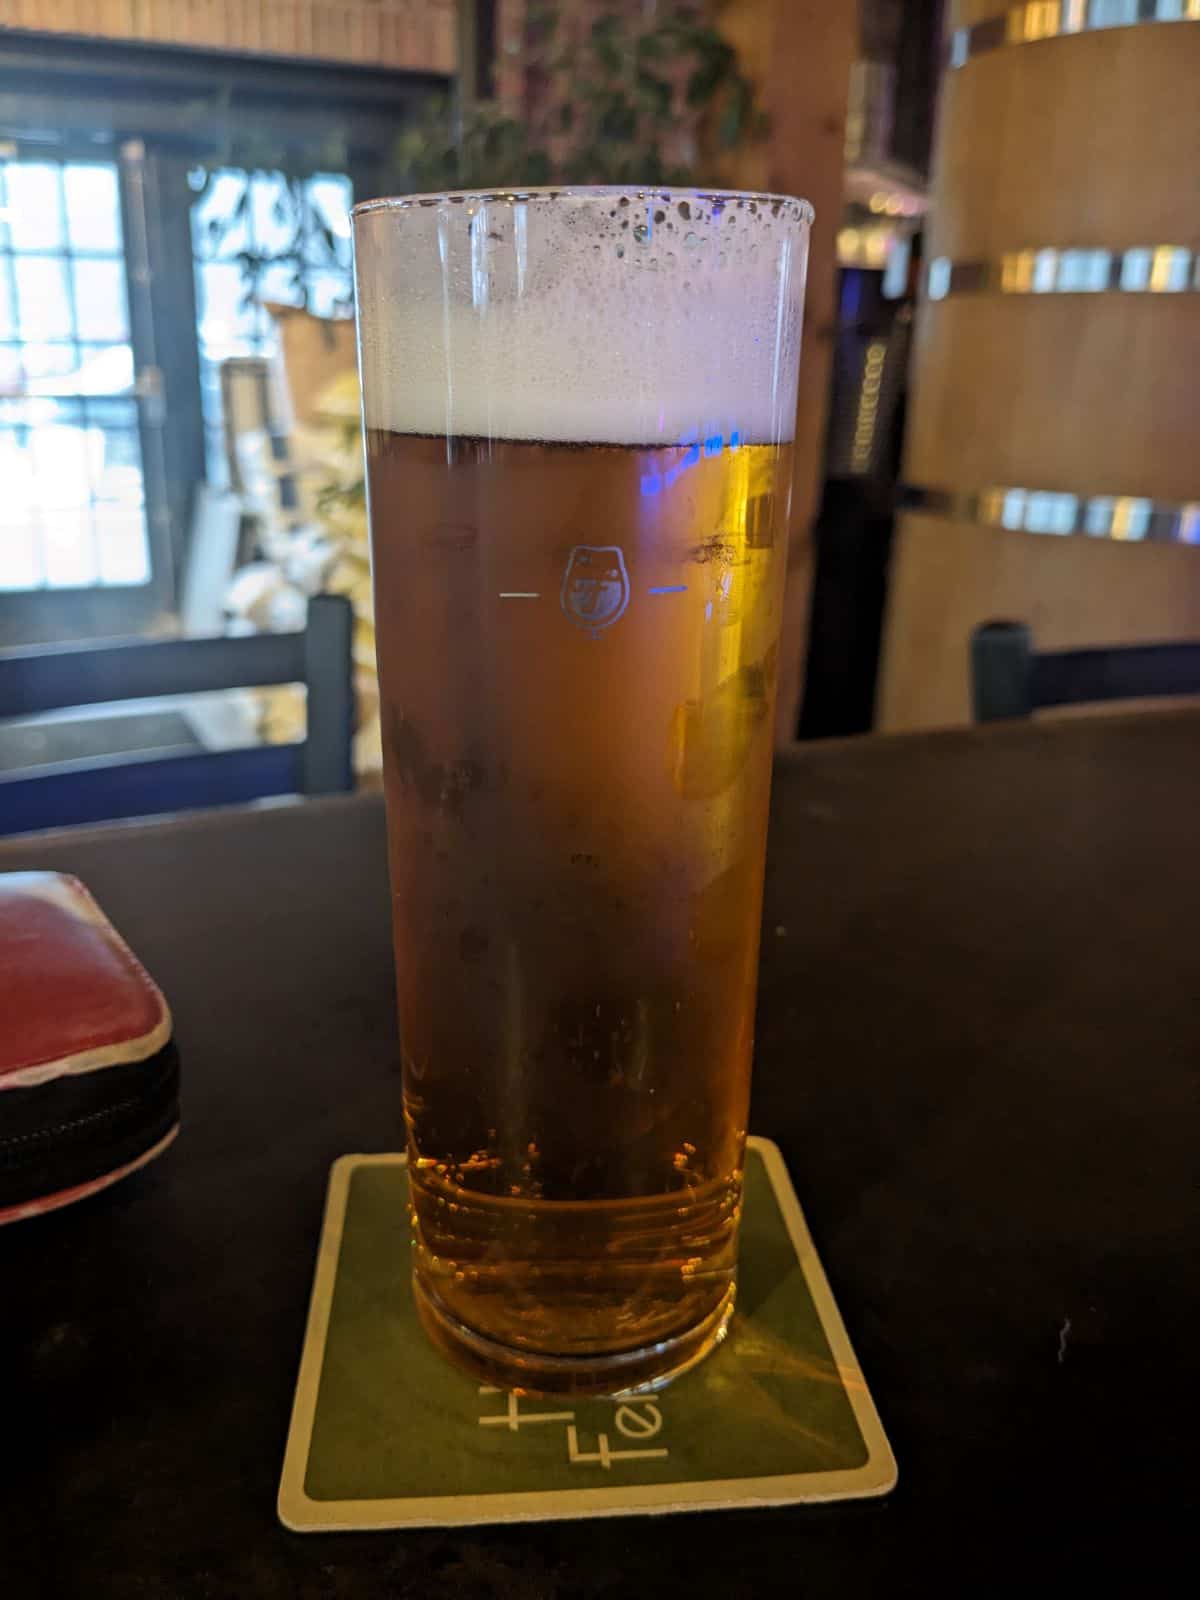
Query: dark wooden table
point(979, 1023)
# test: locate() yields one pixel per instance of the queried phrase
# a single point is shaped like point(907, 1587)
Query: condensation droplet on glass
point(620, 252)
point(692, 241)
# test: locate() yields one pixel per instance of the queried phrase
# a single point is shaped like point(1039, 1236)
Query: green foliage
point(644, 99)
point(651, 98)
point(441, 151)
point(309, 238)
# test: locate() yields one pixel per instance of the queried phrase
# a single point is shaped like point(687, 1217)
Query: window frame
point(32, 615)
point(159, 110)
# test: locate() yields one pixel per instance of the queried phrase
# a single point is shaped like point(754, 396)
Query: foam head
point(586, 315)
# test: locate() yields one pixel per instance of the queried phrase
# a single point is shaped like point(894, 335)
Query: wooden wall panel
point(949, 576)
point(1073, 393)
point(1083, 141)
point(410, 35)
point(1032, 154)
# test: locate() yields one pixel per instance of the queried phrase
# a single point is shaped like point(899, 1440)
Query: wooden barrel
point(1053, 457)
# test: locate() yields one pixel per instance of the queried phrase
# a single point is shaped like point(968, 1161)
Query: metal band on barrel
point(1146, 269)
point(1131, 519)
point(1053, 19)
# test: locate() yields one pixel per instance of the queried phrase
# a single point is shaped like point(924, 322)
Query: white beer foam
point(580, 318)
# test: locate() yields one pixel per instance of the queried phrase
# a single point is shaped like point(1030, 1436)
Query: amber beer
point(579, 534)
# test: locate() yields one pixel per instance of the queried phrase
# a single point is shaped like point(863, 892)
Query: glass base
point(531, 1372)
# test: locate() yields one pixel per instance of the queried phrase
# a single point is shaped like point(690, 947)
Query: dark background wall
point(907, 33)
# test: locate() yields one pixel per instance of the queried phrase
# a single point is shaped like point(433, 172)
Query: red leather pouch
point(89, 1077)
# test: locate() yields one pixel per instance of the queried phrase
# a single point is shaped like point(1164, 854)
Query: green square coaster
point(386, 1434)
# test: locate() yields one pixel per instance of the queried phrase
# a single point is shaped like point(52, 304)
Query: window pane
point(64, 413)
point(117, 470)
point(112, 413)
point(219, 219)
point(258, 212)
point(279, 286)
point(105, 369)
point(42, 298)
point(20, 547)
point(52, 535)
point(77, 369)
point(121, 537)
point(42, 361)
point(93, 208)
point(228, 327)
point(329, 294)
point(65, 317)
point(56, 458)
point(16, 472)
point(68, 549)
point(34, 205)
point(329, 197)
point(61, 469)
point(100, 299)
point(20, 566)
point(273, 212)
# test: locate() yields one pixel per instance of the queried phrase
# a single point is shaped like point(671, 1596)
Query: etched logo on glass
point(595, 586)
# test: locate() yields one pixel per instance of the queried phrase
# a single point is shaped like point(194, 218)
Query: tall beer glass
point(578, 408)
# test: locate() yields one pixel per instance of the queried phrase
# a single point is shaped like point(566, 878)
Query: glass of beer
point(578, 407)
